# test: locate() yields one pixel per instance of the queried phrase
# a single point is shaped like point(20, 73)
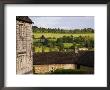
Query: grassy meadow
point(58, 35)
point(52, 37)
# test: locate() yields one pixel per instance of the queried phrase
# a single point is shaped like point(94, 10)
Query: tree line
point(58, 30)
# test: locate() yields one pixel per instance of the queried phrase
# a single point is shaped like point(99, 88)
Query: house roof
point(53, 58)
point(24, 19)
point(83, 58)
point(86, 58)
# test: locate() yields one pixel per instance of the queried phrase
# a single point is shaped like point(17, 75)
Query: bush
point(69, 71)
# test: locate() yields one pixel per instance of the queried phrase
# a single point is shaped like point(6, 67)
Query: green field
point(58, 35)
point(53, 45)
point(48, 49)
point(66, 45)
point(45, 49)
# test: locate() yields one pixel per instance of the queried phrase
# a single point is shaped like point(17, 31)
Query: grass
point(86, 68)
point(82, 70)
point(70, 71)
point(58, 35)
point(67, 45)
point(53, 37)
point(45, 49)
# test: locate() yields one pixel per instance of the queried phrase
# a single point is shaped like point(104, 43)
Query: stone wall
point(24, 59)
point(46, 68)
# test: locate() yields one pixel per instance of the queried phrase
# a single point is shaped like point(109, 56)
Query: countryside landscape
point(62, 40)
point(57, 45)
point(56, 50)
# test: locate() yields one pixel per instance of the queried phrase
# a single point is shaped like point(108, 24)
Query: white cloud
point(66, 22)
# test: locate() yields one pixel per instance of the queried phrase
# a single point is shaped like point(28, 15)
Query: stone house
point(24, 60)
point(41, 69)
point(46, 62)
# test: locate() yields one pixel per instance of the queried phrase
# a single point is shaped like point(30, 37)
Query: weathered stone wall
point(24, 59)
point(50, 67)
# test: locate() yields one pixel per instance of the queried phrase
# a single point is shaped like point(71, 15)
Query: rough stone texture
point(46, 68)
point(24, 59)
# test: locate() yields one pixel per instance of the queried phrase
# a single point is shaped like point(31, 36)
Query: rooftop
point(24, 19)
point(85, 58)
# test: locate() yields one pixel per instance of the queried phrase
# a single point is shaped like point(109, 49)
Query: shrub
point(69, 71)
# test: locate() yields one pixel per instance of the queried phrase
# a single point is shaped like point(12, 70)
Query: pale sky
point(65, 22)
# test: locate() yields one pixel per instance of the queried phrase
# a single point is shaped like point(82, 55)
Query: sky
point(64, 22)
